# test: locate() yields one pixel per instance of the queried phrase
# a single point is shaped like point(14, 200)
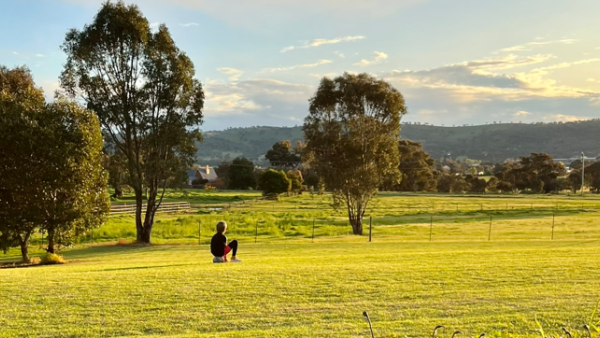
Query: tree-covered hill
point(495, 142)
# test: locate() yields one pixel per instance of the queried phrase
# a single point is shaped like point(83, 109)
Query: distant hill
point(495, 142)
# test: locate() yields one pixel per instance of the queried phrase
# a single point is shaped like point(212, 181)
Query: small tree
point(295, 177)
point(274, 182)
point(352, 134)
point(492, 185)
point(75, 197)
point(241, 174)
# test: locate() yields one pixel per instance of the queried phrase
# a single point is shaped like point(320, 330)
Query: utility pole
point(582, 172)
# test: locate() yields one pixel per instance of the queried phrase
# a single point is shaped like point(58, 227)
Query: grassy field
point(306, 290)
point(396, 217)
point(288, 286)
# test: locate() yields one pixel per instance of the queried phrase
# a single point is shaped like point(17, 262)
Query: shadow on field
point(145, 267)
point(110, 250)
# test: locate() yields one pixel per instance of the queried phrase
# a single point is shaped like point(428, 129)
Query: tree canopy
point(352, 134)
point(142, 88)
point(51, 177)
point(284, 156)
point(274, 182)
point(241, 174)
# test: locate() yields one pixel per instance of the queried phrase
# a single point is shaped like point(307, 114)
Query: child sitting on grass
point(219, 247)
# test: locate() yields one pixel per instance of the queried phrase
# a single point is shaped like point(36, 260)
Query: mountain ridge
point(491, 142)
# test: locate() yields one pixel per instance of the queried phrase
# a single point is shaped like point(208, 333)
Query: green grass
point(306, 290)
point(396, 217)
point(288, 286)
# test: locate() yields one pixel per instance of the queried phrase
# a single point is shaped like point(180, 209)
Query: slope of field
point(306, 290)
point(495, 142)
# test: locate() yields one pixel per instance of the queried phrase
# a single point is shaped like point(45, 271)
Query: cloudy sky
point(456, 61)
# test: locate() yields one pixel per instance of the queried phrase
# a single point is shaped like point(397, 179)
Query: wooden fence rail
point(129, 209)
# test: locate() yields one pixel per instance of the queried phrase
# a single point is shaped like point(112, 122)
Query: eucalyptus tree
point(142, 87)
point(352, 134)
point(51, 176)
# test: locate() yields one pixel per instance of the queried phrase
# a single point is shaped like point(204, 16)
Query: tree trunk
point(146, 230)
point(24, 242)
point(51, 234)
point(357, 226)
point(139, 226)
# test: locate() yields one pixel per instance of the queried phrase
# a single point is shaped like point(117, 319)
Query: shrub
point(274, 182)
point(51, 259)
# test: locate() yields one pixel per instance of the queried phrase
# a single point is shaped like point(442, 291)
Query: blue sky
point(455, 61)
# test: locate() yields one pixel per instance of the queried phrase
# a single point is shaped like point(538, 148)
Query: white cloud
point(529, 46)
point(264, 97)
point(306, 65)
point(320, 42)
point(340, 54)
point(50, 88)
point(564, 118)
point(320, 76)
point(234, 74)
point(191, 24)
point(39, 55)
point(378, 58)
point(521, 113)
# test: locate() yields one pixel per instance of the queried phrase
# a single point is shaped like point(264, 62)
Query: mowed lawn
point(292, 289)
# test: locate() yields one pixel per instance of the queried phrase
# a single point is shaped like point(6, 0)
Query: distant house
point(204, 173)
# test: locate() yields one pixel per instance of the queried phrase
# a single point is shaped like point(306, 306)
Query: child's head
point(221, 227)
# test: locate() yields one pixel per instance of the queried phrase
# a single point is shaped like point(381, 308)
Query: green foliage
point(537, 173)
point(274, 182)
point(51, 176)
point(142, 88)
point(296, 180)
point(416, 168)
point(241, 174)
point(21, 111)
point(592, 174)
point(75, 199)
point(352, 135)
point(284, 156)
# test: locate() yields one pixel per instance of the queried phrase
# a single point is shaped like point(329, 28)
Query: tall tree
point(416, 167)
point(352, 134)
point(51, 177)
point(21, 105)
point(143, 90)
point(284, 156)
point(241, 174)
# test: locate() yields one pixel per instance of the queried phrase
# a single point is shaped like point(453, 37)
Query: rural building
point(205, 173)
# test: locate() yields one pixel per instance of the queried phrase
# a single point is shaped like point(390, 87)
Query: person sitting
point(219, 247)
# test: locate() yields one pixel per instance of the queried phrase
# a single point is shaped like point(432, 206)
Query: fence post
point(370, 228)
point(313, 235)
point(199, 232)
point(431, 228)
point(490, 232)
point(553, 217)
point(256, 234)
